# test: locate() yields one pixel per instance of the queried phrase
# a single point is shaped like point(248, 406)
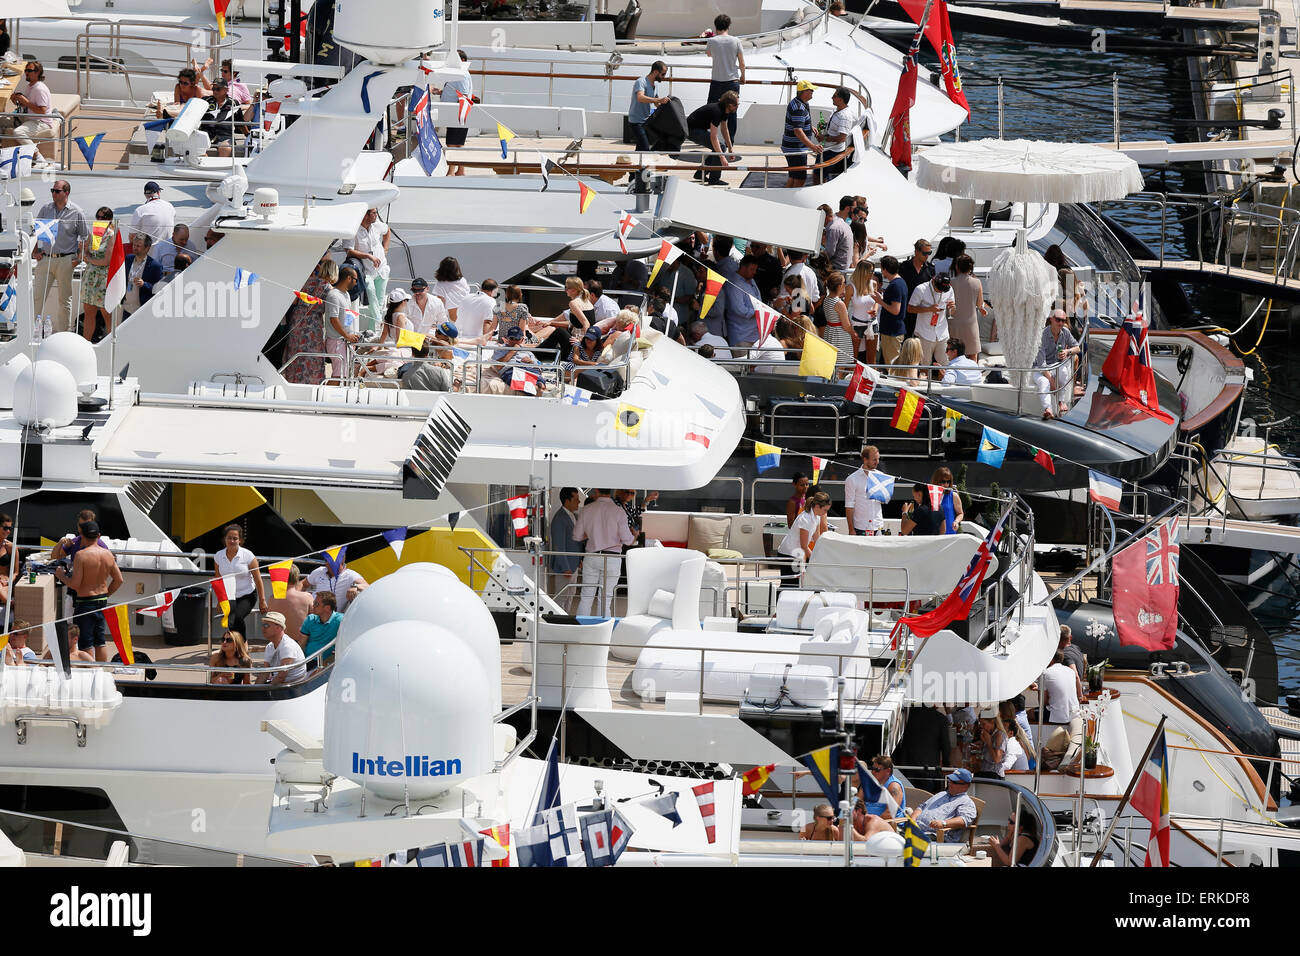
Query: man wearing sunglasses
point(35, 102)
point(55, 261)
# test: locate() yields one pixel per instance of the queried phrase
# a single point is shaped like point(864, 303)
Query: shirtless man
point(94, 578)
point(295, 605)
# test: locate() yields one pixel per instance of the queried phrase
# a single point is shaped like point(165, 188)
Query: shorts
point(797, 159)
point(456, 135)
point(88, 615)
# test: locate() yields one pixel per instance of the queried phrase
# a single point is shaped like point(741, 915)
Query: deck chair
point(916, 796)
point(974, 824)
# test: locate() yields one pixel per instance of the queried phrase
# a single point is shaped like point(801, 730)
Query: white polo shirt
point(156, 218)
point(473, 313)
point(931, 326)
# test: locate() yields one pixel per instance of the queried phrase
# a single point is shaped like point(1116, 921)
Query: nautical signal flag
point(668, 254)
point(585, 195)
point(547, 166)
point(463, 106)
point(880, 486)
point(936, 496)
point(626, 223)
point(825, 767)
point(408, 339)
point(519, 515)
point(334, 558)
point(950, 420)
point(907, 411)
point(573, 395)
point(1104, 490)
point(862, 384)
point(818, 358)
point(915, 844)
point(97, 230)
point(505, 134)
point(45, 230)
point(628, 419)
point(219, 7)
point(765, 317)
point(707, 803)
point(306, 299)
point(115, 287)
point(1043, 458)
point(993, 447)
point(396, 538)
point(16, 161)
point(244, 278)
point(713, 284)
point(89, 146)
point(223, 589)
point(819, 465)
point(165, 601)
point(279, 575)
point(501, 836)
point(666, 806)
point(522, 380)
point(754, 779)
point(766, 456)
point(119, 625)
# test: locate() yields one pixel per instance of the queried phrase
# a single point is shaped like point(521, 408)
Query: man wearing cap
point(95, 576)
point(932, 304)
point(281, 651)
point(55, 261)
point(425, 311)
point(796, 139)
point(155, 217)
point(512, 354)
point(947, 814)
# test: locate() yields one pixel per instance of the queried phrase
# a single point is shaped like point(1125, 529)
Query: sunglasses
point(6, 527)
point(227, 640)
point(30, 70)
point(55, 189)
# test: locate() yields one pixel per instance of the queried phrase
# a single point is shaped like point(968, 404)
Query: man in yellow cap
point(796, 140)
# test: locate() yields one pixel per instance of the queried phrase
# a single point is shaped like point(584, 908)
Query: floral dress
point(307, 334)
point(95, 279)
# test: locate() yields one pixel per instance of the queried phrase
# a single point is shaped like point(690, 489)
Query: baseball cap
point(448, 330)
point(273, 617)
point(961, 775)
point(514, 332)
point(418, 283)
point(398, 295)
point(89, 527)
point(943, 281)
point(593, 333)
point(803, 85)
point(151, 187)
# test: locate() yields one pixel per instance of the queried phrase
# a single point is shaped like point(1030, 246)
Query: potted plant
point(1097, 675)
point(1090, 748)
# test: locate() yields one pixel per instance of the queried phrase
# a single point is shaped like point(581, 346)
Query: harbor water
point(1056, 93)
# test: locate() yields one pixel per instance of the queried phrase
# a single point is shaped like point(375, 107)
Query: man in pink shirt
point(35, 103)
point(602, 524)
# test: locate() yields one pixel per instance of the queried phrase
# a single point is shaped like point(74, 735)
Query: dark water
point(1066, 95)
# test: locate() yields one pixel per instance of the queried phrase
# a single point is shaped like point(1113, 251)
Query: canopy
point(872, 566)
point(1022, 170)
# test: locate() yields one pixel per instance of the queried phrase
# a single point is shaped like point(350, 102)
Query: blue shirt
point(895, 291)
point(639, 112)
point(320, 633)
point(742, 326)
point(797, 116)
point(562, 540)
point(945, 806)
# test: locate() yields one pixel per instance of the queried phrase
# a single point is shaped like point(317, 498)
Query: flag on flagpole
point(1128, 367)
point(1151, 799)
point(668, 254)
point(89, 146)
point(825, 767)
point(754, 778)
point(706, 801)
point(573, 395)
point(817, 360)
point(1044, 458)
point(115, 287)
point(463, 105)
point(1145, 587)
point(907, 411)
point(766, 456)
point(950, 420)
point(862, 384)
point(165, 601)
point(626, 223)
point(993, 447)
point(334, 558)
point(279, 575)
point(585, 195)
point(119, 625)
point(628, 419)
point(818, 465)
point(244, 278)
point(519, 515)
point(713, 284)
point(1105, 490)
point(666, 806)
point(505, 134)
point(914, 844)
point(396, 538)
point(900, 123)
point(219, 7)
point(223, 588)
point(880, 486)
point(938, 30)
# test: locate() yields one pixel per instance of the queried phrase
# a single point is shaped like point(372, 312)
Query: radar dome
point(74, 353)
point(427, 592)
point(45, 395)
point(394, 35)
point(8, 375)
point(408, 711)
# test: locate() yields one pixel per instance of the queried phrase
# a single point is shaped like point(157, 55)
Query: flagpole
point(1139, 769)
point(916, 44)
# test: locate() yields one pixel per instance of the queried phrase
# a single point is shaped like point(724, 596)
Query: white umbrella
point(1022, 170)
point(1022, 288)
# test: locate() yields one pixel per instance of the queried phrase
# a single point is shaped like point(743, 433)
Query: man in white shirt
point(474, 314)
point(835, 138)
point(425, 311)
point(961, 370)
point(811, 286)
point(932, 304)
point(346, 586)
point(862, 512)
point(281, 651)
point(602, 524)
point(698, 334)
point(603, 307)
point(370, 246)
point(728, 56)
point(155, 217)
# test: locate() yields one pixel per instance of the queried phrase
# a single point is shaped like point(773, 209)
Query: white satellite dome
point(45, 394)
point(408, 711)
point(404, 29)
point(427, 592)
point(74, 353)
point(8, 375)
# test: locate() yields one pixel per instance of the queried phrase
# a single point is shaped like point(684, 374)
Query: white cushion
point(801, 610)
point(661, 604)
